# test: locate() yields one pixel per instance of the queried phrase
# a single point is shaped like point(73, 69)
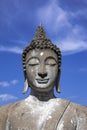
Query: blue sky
point(65, 23)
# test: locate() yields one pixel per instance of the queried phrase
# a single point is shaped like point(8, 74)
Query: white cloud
point(57, 19)
point(8, 84)
point(53, 16)
point(19, 41)
point(72, 97)
point(17, 50)
point(4, 84)
point(79, 12)
point(84, 69)
point(74, 42)
point(69, 46)
point(14, 82)
point(6, 97)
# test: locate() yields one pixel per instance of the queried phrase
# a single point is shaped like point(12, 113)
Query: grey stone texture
point(33, 114)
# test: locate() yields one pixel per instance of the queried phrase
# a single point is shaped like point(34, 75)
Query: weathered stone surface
point(32, 114)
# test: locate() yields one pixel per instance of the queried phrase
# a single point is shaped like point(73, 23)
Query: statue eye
point(33, 62)
point(51, 62)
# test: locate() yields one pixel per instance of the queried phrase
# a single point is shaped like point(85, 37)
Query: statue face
point(41, 69)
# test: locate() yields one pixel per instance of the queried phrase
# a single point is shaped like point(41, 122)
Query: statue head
point(41, 63)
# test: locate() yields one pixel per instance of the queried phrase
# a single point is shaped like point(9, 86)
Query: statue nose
point(42, 75)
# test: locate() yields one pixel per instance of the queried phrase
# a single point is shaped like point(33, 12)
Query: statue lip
point(42, 81)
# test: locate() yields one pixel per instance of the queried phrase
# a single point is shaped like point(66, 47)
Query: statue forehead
point(41, 53)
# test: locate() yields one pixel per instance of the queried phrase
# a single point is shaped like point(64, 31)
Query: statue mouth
point(42, 81)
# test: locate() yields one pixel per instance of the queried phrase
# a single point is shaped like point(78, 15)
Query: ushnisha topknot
point(40, 41)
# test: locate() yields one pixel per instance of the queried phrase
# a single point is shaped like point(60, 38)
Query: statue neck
point(43, 96)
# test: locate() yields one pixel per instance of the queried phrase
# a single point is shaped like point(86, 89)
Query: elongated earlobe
point(58, 90)
point(58, 82)
point(58, 87)
point(25, 86)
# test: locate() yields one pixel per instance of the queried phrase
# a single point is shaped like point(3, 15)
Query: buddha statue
point(42, 110)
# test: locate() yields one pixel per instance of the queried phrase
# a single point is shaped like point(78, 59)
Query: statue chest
point(40, 116)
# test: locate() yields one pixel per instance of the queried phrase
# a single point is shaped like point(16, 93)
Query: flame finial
point(40, 33)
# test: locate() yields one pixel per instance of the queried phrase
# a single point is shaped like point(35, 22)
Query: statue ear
point(58, 82)
point(25, 86)
point(58, 89)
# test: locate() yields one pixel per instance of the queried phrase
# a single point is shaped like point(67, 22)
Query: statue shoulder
point(3, 115)
point(4, 112)
point(73, 115)
point(79, 108)
point(75, 106)
point(74, 109)
point(81, 115)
